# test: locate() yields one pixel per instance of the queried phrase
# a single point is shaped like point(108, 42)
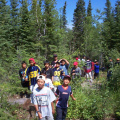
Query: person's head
point(46, 64)
point(84, 57)
point(23, 64)
point(57, 64)
point(66, 79)
point(75, 64)
point(78, 56)
point(32, 62)
point(95, 60)
point(110, 59)
point(41, 81)
point(43, 72)
point(88, 58)
point(63, 62)
point(55, 57)
point(118, 59)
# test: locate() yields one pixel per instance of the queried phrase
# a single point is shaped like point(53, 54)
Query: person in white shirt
point(48, 82)
point(43, 99)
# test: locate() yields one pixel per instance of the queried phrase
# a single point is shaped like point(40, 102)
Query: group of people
point(45, 84)
point(45, 87)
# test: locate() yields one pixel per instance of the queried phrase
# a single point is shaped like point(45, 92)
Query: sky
point(71, 5)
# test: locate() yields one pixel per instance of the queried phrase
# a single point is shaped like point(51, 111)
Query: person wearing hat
point(58, 72)
point(48, 82)
point(117, 61)
point(55, 59)
point(63, 92)
point(32, 71)
point(43, 99)
point(75, 71)
point(48, 70)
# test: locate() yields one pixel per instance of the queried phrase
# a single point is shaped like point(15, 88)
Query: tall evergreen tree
point(24, 25)
point(108, 11)
point(117, 25)
point(89, 13)
point(64, 16)
point(89, 9)
point(6, 45)
point(14, 22)
point(108, 24)
point(50, 28)
point(78, 23)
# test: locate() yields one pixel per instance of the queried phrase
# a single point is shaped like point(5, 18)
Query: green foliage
point(78, 20)
point(92, 103)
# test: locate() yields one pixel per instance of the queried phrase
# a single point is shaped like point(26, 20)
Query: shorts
point(96, 75)
point(25, 84)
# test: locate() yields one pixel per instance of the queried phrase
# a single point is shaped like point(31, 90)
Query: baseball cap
point(67, 76)
point(41, 77)
point(76, 58)
point(32, 59)
point(55, 55)
point(75, 63)
point(118, 59)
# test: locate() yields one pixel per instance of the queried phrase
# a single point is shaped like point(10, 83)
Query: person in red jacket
point(92, 69)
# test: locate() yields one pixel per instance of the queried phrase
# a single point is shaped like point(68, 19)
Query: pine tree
point(108, 25)
point(64, 16)
point(89, 9)
point(24, 25)
point(6, 46)
point(14, 22)
point(79, 20)
point(117, 25)
point(108, 11)
point(50, 28)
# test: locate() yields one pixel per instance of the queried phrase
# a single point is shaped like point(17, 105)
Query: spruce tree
point(6, 46)
point(24, 25)
point(78, 23)
point(14, 22)
point(108, 24)
point(50, 28)
point(64, 16)
point(89, 9)
point(117, 25)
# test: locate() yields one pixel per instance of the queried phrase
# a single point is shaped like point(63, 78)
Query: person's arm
point(72, 97)
point(39, 69)
point(20, 73)
point(51, 85)
point(36, 106)
point(37, 110)
point(73, 71)
point(62, 72)
point(26, 74)
point(66, 61)
point(80, 71)
point(52, 75)
point(53, 110)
